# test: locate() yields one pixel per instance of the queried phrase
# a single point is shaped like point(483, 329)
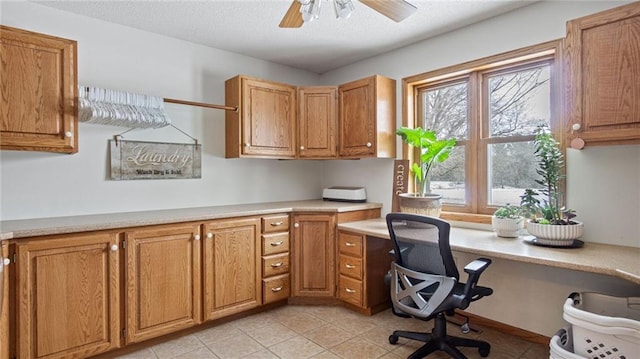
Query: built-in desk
point(617, 261)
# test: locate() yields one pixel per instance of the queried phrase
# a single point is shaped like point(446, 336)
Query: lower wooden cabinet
point(163, 280)
point(4, 300)
point(363, 263)
point(68, 296)
point(232, 276)
point(313, 255)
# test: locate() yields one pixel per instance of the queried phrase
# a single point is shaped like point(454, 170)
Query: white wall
point(603, 182)
point(38, 184)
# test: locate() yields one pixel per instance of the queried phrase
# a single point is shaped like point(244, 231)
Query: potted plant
point(432, 151)
point(507, 221)
point(549, 220)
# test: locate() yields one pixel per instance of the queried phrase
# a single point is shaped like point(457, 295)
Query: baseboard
point(506, 328)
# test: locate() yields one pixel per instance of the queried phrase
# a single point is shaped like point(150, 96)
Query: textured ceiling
point(250, 27)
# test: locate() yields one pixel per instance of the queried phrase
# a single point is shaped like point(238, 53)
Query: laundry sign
point(139, 160)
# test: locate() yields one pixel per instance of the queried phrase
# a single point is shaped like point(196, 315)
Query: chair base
point(439, 340)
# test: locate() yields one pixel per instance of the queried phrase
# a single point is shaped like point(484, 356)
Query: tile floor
point(322, 332)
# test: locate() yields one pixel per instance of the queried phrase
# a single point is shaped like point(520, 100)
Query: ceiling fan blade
point(293, 17)
point(396, 10)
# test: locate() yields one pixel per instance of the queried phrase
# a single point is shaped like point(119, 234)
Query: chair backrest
point(421, 244)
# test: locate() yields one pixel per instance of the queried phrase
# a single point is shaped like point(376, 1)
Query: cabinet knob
point(6, 261)
point(301, 148)
point(576, 127)
point(296, 225)
point(196, 237)
point(68, 134)
point(114, 247)
point(209, 235)
point(369, 144)
point(247, 145)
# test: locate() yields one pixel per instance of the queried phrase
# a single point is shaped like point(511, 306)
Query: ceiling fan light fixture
point(343, 8)
point(310, 9)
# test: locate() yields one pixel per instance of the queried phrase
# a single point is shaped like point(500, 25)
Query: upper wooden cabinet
point(163, 280)
point(68, 301)
point(366, 117)
point(603, 52)
point(317, 122)
point(38, 91)
point(265, 123)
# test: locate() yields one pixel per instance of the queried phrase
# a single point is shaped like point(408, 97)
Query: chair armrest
point(474, 269)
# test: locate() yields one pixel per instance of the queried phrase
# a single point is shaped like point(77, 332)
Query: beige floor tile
point(380, 336)
point(262, 354)
point(217, 333)
point(296, 348)
point(175, 347)
point(202, 353)
point(328, 335)
point(236, 346)
point(301, 322)
point(358, 348)
point(256, 321)
point(326, 355)
point(508, 344)
point(391, 355)
point(355, 323)
point(141, 354)
point(270, 334)
point(536, 351)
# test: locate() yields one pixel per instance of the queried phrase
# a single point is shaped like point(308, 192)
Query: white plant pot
point(555, 234)
point(507, 227)
point(428, 205)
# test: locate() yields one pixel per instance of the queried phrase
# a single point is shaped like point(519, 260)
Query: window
point(492, 107)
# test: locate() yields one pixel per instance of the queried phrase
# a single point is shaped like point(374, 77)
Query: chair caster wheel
point(484, 351)
point(393, 339)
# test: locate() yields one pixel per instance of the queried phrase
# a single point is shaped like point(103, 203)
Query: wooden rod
point(201, 104)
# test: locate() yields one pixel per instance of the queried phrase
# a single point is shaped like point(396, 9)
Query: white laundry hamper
point(603, 326)
point(561, 345)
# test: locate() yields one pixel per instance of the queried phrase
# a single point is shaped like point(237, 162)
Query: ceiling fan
point(302, 11)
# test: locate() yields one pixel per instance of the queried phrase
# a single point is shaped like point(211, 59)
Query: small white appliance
point(345, 194)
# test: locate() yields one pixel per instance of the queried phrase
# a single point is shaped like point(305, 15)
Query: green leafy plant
point(432, 151)
point(508, 211)
point(549, 210)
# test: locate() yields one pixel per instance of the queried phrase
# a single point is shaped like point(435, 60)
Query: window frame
point(476, 208)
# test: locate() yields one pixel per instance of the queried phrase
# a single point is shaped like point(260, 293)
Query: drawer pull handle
point(275, 224)
point(349, 244)
point(349, 290)
point(276, 265)
point(349, 266)
point(276, 289)
point(275, 244)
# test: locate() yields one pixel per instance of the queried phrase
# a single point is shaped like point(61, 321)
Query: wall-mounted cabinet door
point(38, 92)
point(232, 266)
point(265, 123)
point(317, 122)
point(367, 118)
point(68, 296)
point(603, 52)
point(163, 280)
point(313, 247)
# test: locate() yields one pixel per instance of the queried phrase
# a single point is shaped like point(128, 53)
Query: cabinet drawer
point(276, 264)
point(351, 266)
point(350, 244)
point(275, 288)
point(275, 243)
point(275, 223)
point(350, 290)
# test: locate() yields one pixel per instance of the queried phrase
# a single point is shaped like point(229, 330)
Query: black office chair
point(425, 283)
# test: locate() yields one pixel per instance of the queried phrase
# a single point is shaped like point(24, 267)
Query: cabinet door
point(232, 267)
point(38, 92)
point(313, 255)
point(317, 121)
point(604, 65)
point(265, 124)
point(163, 280)
point(367, 118)
point(68, 296)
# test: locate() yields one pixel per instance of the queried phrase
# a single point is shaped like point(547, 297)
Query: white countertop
point(60, 225)
point(618, 261)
